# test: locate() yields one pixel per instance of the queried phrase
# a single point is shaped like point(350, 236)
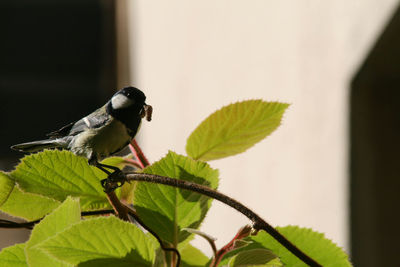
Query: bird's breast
point(103, 141)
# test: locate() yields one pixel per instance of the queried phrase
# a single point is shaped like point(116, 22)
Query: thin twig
point(113, 181)
point(29, 225)
point(258, 222)
point(11, 224)
point(97, 212)
point(119, 208)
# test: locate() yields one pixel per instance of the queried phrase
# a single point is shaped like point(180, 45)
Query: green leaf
point(6, 187)
point(166, 209)
point(255, 257)
point(127, 192)
point(58, 174)
point(314, 244)
point(193, 257)
point(64, 216)
point(13, 256)
point(114, 161)
point(234, 128)
point(102, 242)
point(27, 205)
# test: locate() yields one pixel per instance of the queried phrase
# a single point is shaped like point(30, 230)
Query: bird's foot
point(113, 181)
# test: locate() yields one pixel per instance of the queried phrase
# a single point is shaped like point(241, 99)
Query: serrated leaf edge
point(199, 157)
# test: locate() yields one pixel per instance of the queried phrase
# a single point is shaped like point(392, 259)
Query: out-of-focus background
point(333, 165)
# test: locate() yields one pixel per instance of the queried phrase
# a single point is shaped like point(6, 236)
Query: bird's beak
point(147, 112)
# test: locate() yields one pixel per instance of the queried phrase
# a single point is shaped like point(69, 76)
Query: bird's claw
point(113, 181)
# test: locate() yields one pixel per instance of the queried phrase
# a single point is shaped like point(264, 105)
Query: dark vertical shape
point(375, 153)
point(57, 65)
point(108, 47)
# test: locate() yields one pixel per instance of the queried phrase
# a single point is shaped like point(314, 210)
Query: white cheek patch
point(120, 101)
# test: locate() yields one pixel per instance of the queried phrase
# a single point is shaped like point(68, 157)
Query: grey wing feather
point(64, 131)
point(94, 120)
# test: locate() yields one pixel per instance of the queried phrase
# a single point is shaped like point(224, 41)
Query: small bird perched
point(102, 133)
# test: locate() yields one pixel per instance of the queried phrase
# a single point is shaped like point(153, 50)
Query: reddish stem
point(137, 151)
point(119, 208)
point(242, 233)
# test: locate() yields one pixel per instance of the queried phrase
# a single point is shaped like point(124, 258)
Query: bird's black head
point(128, 106)
point(128, 97)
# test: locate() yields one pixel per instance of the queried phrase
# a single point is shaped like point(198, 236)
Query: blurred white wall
point(192, 57)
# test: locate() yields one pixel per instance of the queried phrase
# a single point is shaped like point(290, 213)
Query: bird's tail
point(39, 145)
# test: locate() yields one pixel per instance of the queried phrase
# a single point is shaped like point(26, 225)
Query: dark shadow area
point(133, 258)
point(375, 146)
point(190, 195)
point(57, 65)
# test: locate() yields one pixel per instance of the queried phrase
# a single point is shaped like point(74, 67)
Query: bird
point(102, 133)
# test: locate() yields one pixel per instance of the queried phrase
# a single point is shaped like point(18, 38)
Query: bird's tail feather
point(39, 145)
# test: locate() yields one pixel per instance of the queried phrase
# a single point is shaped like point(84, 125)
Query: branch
point(258, 222)
point(113, 181)
point(119, 209)
point(29, 225)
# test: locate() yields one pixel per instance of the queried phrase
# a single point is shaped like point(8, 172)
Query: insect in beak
point(147, 112)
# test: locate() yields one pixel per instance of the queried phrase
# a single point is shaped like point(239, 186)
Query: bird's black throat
point(130, 116)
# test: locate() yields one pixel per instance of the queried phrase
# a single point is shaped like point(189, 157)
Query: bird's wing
point(61, 132)
point(94, 120)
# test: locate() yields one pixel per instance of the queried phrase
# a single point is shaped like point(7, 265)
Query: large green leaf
point(58, 174)
point(27, 205)
point(102, 242)
point(314, 244)
point(166, 209)
point(64, 216)
point(13, 256)
point(234, 128)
